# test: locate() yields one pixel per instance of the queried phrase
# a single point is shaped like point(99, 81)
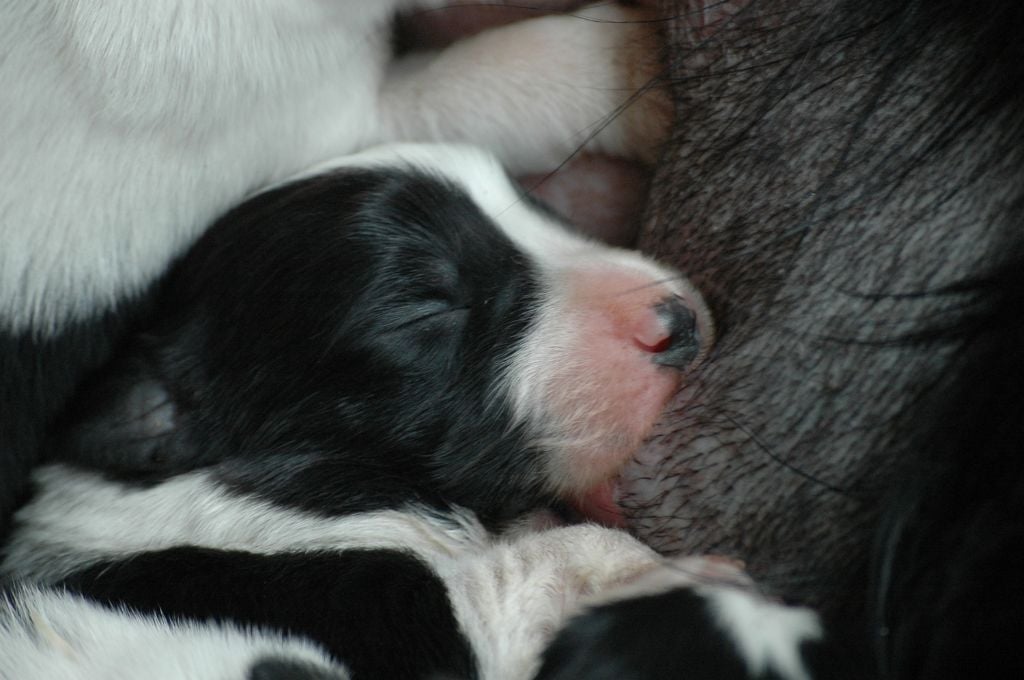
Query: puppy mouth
point(676, 337)
point(599, 504)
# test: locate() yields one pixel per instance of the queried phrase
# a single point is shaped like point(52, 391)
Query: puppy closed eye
point(433, 306)
point(433, 298)
point(435, 312)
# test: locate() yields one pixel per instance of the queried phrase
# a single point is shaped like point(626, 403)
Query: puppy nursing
point(408, 309)
point(382, 380)
point(304, 459)
point(332, 447)
point(128, 128)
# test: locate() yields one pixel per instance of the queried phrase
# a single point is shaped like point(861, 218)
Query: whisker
point(767, 450)
point(653, 284)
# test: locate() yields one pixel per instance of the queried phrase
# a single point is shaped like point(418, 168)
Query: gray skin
point(833, 168)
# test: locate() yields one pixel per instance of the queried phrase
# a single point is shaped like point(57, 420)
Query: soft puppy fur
point(129, 127)
point(405, 326)
point(512, 367)
point(336, 454)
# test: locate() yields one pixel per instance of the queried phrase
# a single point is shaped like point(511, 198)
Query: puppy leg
point(536, 91)
point(583, 601)
point(514, 597)
point(697, 617)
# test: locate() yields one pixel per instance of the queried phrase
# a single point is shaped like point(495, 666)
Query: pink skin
point(603, 197)
point(609, 320)
point(600, 505)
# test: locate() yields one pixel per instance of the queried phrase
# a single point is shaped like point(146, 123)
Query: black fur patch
point(363, 326)
point(285, 669)
point(670, 635)
point(38, 377)
point(948, 564)
point(384, 613)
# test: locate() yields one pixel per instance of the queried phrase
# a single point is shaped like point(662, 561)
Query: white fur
point(768, 635)
point(513, 597)
point(129, 126)
point(510, 594)
point(50, 635)
point(77, 518)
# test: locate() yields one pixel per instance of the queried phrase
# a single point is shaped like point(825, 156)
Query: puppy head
point(401, 320)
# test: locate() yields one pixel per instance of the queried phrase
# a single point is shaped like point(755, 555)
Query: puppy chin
point(609, 349)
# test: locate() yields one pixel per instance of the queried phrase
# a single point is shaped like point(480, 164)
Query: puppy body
point(129, 127)
point(335, 454)
point(144, 121)
point(405, 592)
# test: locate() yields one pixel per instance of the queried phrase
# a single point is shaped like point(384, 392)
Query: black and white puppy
point(129, 127)
point(411, 310)
point(350, 388)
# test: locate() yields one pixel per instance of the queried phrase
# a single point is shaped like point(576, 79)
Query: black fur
point(340, 339)
point(862, 157)
point(384, 613)
point(285, 669)
point(669, 635)
point(674, 634)
point(38, 376)
point(949, 559)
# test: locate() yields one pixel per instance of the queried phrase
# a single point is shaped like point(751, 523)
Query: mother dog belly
point(848, 197)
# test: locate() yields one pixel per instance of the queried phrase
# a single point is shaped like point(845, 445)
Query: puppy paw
point(538, 91)
point(698, 618)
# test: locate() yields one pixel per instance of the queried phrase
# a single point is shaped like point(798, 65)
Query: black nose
point(683, 342)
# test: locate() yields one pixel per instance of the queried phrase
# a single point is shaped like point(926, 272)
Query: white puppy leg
point(535, 91)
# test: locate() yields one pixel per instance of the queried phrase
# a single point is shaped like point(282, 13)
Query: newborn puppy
point(402, 326)
point(129, 127)
point(350, 385)
point(401, 594)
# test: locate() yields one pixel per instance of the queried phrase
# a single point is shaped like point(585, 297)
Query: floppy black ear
point(127, 420)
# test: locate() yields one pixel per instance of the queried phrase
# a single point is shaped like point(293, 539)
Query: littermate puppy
point(358, 401)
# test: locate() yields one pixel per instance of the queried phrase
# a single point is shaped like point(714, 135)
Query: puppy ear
point(126, 420)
